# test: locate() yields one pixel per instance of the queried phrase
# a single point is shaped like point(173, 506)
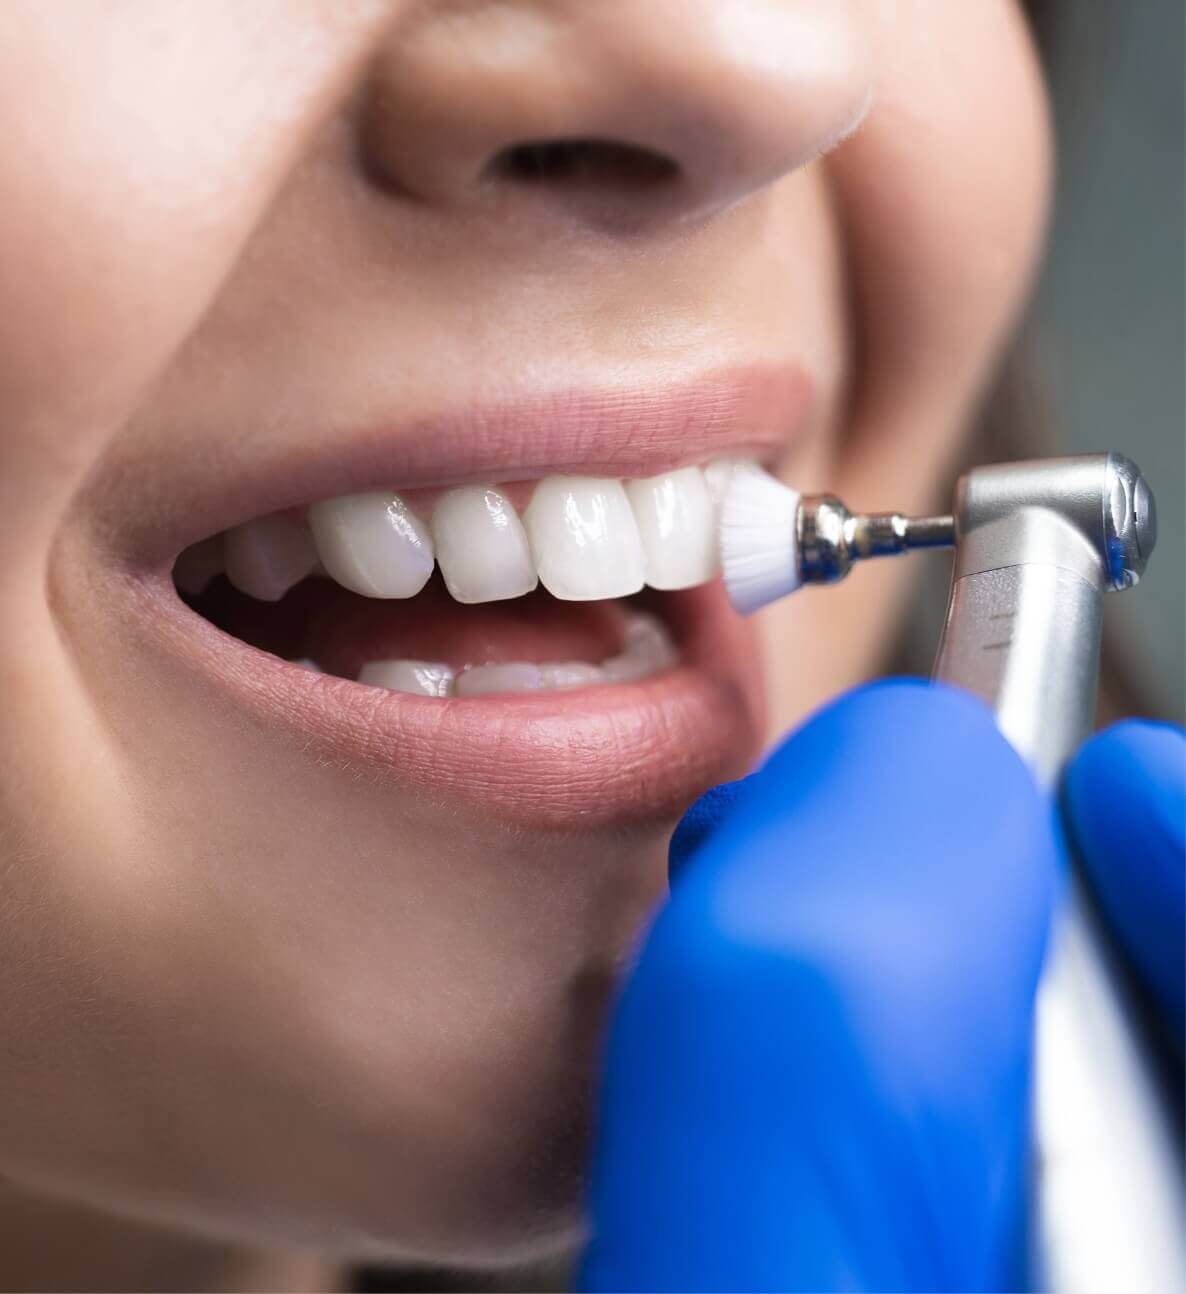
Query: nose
point(629, 108)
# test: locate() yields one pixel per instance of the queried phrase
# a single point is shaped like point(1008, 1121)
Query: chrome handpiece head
point(1130, 522)
point(1038, 545)
point(1092, 513)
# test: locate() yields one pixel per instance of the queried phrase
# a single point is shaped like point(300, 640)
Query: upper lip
point(619, 431)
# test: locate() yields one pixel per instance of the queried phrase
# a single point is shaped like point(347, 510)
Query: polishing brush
point(773, 539)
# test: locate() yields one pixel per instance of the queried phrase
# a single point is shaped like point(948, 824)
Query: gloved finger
point(818, 1072)
point(701, 821)
point(1125, 799)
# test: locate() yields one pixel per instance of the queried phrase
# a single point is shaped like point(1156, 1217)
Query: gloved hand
point(818, 1071)
point(1125, 802)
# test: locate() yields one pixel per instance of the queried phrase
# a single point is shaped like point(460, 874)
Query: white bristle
point(759, 554)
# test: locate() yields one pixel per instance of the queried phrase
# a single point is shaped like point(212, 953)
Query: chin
point(415, 783)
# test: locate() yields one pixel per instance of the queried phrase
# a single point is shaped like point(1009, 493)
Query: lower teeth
point(421, 677)
point(647, 649)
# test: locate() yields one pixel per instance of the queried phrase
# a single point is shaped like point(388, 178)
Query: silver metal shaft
point(830, 538)
point(1038, 544)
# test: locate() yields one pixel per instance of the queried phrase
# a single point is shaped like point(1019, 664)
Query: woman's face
point(297, 957)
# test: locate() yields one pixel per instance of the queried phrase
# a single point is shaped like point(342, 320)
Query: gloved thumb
point(1125, 798)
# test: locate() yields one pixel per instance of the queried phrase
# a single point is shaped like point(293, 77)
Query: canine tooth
point(267, 556)
point(676, 521)
point(514, 676)
point(373, 544)
point(198, 564)
point(566, 674)
point(425, 678)
point(481, 545)
point(584, 538)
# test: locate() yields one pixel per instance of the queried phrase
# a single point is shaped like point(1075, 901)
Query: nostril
point(583, 162)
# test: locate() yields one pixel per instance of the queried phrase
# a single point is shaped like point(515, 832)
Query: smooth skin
point(245, 993)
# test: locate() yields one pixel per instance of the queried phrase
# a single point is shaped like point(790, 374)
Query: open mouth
point(515, 608)
point(555, 585)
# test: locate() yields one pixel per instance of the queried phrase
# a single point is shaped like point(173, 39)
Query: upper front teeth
point(267, 556)
point(373, 544)
point(585, 538)
point(677, 525)
point(481, 545)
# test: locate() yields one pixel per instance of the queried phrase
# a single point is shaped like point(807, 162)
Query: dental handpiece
point(1037, 544)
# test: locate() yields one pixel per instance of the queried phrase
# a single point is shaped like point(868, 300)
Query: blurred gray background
point(1108, 327)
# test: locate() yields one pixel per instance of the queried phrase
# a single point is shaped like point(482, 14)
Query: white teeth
point(198, 564)
point(481, 545)
point(267, 556)
point(566, 674)
point(646, 649)
point(584, 538)
point(677, 524)
point(425, 678)
point(517, 676)
point(719, 473)
point(373, 544)
point(648, 635)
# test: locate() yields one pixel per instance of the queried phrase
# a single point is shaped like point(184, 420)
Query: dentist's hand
point(818, 1071)
point(1125, 802)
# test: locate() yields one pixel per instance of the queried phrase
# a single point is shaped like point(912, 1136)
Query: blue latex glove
point(1125, 798)
point(818, 1072)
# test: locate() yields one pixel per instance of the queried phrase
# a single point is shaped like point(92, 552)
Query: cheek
point(940, 199)
point(138, 153)
point(943, 196)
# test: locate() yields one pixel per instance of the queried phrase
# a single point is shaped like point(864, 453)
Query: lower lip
point(599, 755)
